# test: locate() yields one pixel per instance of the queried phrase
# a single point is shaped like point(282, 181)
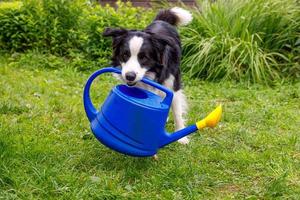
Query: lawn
point(48, 152)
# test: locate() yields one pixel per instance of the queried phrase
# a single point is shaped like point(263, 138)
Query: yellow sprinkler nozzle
point(211, 120)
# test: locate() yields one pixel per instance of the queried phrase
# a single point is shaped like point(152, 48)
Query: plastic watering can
point(132, 120)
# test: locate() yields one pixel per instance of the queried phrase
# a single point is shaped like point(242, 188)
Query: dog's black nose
point(130, 76)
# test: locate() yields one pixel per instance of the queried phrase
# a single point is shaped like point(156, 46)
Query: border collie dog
point(154, 53)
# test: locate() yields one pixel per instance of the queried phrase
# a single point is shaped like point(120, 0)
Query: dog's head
point(137, 52)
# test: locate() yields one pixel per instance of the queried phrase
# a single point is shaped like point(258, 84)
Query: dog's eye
point(126, 55)
point(142, 56)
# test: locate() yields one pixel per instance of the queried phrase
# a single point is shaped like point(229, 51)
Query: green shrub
point(64, 27)
point(252, 40)
point(59, 25)
point(17, 27)
point(49, 25)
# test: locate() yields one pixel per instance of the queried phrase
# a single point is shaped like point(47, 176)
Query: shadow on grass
point(99, 159)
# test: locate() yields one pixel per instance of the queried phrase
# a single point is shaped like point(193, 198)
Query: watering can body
point(132, 120)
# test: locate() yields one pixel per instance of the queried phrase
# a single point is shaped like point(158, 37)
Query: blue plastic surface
point(132, 120)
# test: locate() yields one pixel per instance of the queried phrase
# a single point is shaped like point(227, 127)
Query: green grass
point(48, 152)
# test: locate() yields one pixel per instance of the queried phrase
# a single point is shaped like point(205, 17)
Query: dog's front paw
point(155, 157)
point(185, 140)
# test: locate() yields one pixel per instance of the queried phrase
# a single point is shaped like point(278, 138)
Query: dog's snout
point(130, 76)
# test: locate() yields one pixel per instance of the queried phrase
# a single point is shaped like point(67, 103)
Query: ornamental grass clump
point(256, 41)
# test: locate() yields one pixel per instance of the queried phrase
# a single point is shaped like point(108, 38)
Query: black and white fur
point(155, 53)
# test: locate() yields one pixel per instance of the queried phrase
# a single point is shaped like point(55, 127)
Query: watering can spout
point(211, 120)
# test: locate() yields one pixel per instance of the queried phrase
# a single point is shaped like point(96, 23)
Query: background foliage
point(256, 41)
point(65, 28)
point(252, 40)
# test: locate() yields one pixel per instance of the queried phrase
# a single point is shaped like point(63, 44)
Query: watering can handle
point(91, 111)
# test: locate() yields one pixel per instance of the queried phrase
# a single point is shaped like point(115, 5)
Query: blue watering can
point(132, 120)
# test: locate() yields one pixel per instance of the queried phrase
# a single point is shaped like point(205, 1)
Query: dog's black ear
point(168, 53)
point(113, 32)
point(162, 39)
point(165, 48)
